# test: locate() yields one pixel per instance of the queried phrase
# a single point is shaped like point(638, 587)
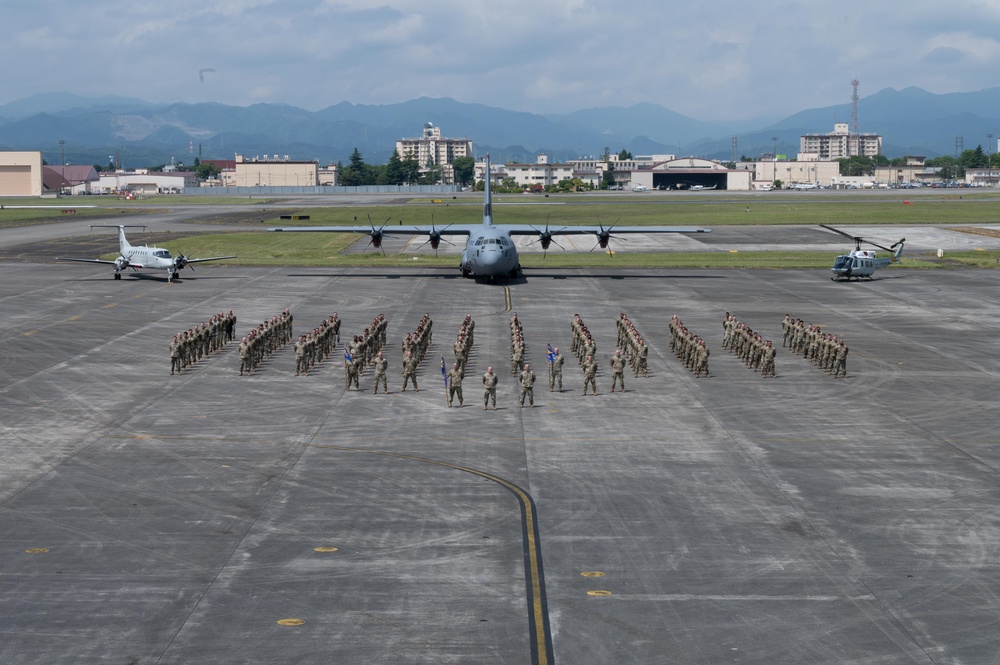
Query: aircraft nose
point(490, 263)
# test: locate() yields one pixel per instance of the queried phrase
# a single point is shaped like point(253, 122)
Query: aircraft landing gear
point(118, 275)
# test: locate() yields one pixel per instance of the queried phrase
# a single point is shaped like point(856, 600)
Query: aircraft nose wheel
point(118, 275)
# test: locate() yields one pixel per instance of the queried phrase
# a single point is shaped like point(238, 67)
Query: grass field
point(563, 211)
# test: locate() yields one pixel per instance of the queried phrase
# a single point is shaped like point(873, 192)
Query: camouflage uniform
point(527, 385)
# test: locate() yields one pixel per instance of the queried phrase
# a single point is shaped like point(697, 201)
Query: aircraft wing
point(447, 230)
point(527, 229)
point(213, 258)
point(66, 258)
point(379, 233)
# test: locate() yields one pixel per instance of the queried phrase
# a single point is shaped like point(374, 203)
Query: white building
point(431, 149)
point(840, 144)
point(540, 174)
point(144, 181)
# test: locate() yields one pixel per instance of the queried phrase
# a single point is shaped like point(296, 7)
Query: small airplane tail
point(124, 247)
point(487, 196)
point(123, 244)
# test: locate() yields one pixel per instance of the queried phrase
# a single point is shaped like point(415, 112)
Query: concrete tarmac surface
point(216, 518)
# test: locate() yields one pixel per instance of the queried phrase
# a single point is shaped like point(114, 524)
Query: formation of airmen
point(314, 347)
point(264, 340)
point(585, 348)
point(755, 352)
point(518, 368)
point(516, 345)
point(188, 347)
point(414, 348)
point(582, 344)
point(463, 346)
point(633, 345)
point(690, 348)
point(362, 349)
point(827, 351)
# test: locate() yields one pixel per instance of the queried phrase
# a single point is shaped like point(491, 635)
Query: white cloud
point(726, 59)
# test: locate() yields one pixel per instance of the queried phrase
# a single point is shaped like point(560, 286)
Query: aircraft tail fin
point(123, 243)
point(487, 197)
point(897, 255)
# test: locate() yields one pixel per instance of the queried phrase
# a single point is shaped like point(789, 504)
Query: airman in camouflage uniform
point(527, 380)
point(767, 364)
point(410, 371)
point(589, 374)
point(381, 365)
point(455, 375)
point(617, 370)
point(555, 375)
point(490, 388)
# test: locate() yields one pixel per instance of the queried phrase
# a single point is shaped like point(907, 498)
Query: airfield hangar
point(21, 173)
point(688, 172)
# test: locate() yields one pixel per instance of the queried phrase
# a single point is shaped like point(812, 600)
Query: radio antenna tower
point(854, 142)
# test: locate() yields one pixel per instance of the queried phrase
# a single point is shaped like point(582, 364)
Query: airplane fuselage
point(490, 252)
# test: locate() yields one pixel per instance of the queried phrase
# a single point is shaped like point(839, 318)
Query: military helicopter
point(862, 262)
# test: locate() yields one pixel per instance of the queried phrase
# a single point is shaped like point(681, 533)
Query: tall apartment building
point(431, 149)
point(840, 144)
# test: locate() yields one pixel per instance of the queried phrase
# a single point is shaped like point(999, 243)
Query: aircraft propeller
point(604, 237)
point(434, 237)
point(377, 235)
point(545, 238)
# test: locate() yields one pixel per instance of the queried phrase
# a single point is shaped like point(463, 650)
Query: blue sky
point(719, 60)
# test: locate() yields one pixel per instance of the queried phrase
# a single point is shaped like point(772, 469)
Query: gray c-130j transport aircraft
point(489, 251)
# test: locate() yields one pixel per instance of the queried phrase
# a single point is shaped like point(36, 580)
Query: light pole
point(774, 158)
point(62, 166)
point(989, 157)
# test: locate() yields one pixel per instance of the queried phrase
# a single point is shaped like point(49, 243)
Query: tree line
point(401, 171)
point(951, 168)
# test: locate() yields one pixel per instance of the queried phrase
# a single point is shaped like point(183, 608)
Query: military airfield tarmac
point(214, 518)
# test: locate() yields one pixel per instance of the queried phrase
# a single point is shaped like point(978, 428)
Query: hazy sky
point(713, 60)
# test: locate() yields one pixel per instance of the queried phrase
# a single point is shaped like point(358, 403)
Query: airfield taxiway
point(214, 518)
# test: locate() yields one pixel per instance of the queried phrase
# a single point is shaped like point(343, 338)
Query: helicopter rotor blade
point(846, 235)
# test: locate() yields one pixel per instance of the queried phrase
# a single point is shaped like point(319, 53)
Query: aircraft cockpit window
point(842, 262)
point(162, 253)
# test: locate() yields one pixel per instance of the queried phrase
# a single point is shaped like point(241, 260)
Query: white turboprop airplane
point(489, 251)
point(144, 256)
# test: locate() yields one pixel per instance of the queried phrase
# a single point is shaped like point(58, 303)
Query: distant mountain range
point(96, 129)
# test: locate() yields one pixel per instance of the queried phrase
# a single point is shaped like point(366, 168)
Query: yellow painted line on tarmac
point(506, 295)
point(110, 305)
point(326, 549)
point(291, 622)
point(29, 333)
point(76, 317)
point(592, 573)
point(36, 550)
point(538, 624)
point(599, 592)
